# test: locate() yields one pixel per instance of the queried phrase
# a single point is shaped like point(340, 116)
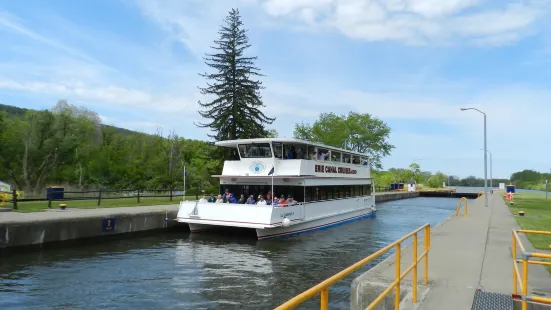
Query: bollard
point(521, 213)
point(62, 206)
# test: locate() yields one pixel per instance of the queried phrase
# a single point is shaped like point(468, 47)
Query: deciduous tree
point(357, 132)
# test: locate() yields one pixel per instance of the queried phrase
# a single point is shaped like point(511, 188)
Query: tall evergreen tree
point(235, 109)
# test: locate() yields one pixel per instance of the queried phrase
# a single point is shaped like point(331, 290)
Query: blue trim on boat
point(295, 233)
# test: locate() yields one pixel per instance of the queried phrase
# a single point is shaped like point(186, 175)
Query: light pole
point(485, 157)
point(491, 167)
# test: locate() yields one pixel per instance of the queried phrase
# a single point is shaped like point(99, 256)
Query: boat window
point(255, 150)
point(323, 154)
point(278, 149)
point(312, 154)
point(356, 160)
point(346, 158)
point(335, 156)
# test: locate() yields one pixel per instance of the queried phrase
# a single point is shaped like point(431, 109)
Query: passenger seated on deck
point(232, 199)
point(261, 200)
point(291, 201)
point(356, 161)
point(323, 156)
point(212, 199)
point(219, 200)
point(282, 201)
point(242, 199)
point(203, 200)
point(251, 200)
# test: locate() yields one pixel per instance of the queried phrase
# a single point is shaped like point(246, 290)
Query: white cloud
point(104, 94)
point(417, 21)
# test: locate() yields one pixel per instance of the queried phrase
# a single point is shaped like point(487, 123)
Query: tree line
point(530, 179)
point(68, 146)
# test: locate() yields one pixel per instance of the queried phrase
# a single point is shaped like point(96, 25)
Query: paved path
point(54, 214)
point(468, 253)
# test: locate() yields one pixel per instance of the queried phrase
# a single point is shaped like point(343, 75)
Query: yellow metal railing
point(522, 279)
point(323, 287)
point(3, 198)
point(465, 210)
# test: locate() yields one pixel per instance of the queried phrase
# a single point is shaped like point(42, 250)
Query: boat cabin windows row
point(299, 193)
point(298, 151)
point(319, 193)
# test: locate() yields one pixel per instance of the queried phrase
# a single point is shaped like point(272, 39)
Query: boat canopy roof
point(235, 143)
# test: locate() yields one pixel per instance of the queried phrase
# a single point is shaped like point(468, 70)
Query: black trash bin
point(55, 193)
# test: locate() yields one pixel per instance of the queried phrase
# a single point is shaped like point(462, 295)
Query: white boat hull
point(268, 221)
point(319, 224)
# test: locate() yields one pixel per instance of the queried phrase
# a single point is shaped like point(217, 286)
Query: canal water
point(206, 271)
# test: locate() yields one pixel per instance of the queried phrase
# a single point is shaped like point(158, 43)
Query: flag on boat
point(271, 171)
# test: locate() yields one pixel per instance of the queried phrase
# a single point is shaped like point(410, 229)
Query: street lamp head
point(463, 109)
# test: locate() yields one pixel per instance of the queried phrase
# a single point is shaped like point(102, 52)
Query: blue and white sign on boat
point(256, 167)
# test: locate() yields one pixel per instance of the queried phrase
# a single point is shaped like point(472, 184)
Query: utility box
point(510, 188)
point(55, 193)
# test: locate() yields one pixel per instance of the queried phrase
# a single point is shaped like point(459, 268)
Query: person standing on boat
point(269, 198)
point(232, 199)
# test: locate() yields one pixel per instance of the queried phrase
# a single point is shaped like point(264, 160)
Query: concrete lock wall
point(17, 234)
point(395, 196)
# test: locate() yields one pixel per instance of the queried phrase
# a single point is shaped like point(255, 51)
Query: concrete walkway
point(74, 213)
point(467, 253)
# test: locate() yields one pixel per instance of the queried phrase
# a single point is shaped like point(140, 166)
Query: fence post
point(99, 197)
point(14, 198)
point(50, 201)
point(171, 193)
point(138, 196)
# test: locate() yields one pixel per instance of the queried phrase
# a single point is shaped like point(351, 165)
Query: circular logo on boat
point(256, 167)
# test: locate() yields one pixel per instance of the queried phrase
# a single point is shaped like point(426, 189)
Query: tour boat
point(329, 186)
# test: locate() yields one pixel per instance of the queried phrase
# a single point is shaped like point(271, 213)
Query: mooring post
point(99, 197)
point(14, 199)
point(171, 193)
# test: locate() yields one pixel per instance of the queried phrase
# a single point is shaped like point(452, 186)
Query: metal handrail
point(522, 279)
point(3, 198)
point(466, 209)
point(323, 287)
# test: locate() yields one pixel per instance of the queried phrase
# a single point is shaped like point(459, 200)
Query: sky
point(411, 63)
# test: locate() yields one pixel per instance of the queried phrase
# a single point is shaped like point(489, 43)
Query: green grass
point(537, 217)
point(37, 206)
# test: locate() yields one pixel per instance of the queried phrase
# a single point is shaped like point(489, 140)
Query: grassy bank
point(37, 206)
point(537, 217)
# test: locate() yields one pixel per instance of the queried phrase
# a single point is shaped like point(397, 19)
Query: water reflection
point(205, 271)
